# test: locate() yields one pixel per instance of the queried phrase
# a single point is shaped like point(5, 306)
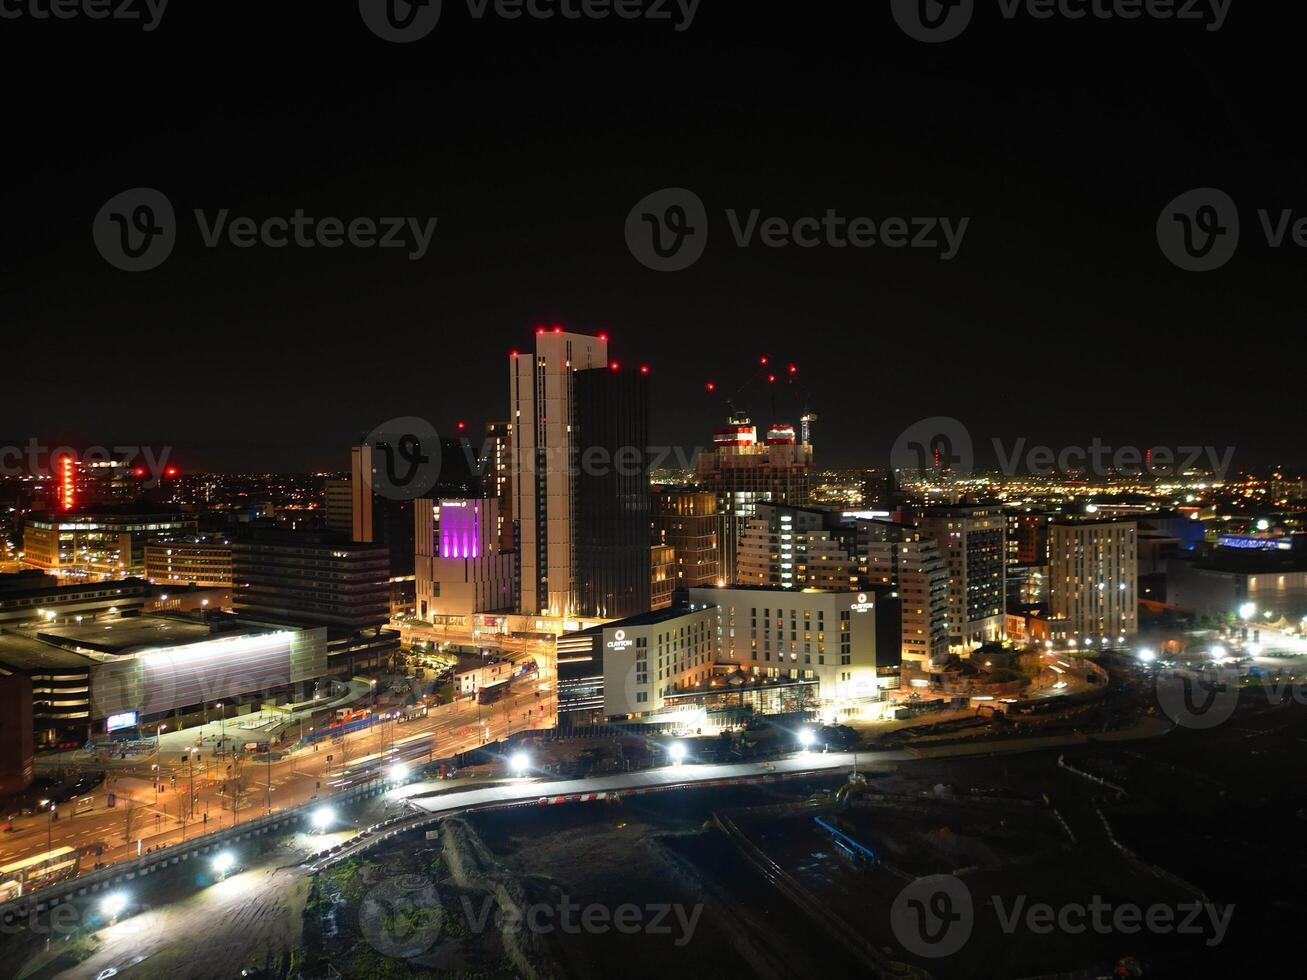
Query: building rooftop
point(126, 634)
point(24, 653)
point(52, 588)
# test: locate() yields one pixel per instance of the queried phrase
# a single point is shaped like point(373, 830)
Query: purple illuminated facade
point(460, 529)
point(460, 568)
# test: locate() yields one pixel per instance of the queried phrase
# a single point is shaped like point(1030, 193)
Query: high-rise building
point(461, 570)
point(338, 506)
point(541, 392)
point(686, 519)
point(1027, 538)
point(805, 548)
point(972, 541)
point(499, 478)
point(744, 472)
point(795, 548)
point(611, 529)
point(903, 557)
point(1093, 580)
point(662, 575)
point(880, 491)
point(376, 519)
point(544, 471)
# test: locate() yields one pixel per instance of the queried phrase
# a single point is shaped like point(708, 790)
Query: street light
point(1247, 611)
point(114, 905)
point(677, 753)
point(806, 739)
point(519, 761)
point(398, 772)
point(323, 817)
point(223, 863)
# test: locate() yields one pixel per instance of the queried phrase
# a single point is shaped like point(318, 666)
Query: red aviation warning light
point(711, 386)
point(540, 331)
point(615, 366)
point(557, 328)
point(763, 360)
point(644, 368)
point(794, 369)
point(771, 379)
point(604, 337)
point(462, 426)
point(170, 471)
point(138, 472)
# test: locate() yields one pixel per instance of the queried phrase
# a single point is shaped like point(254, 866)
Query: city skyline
point(1059, 257)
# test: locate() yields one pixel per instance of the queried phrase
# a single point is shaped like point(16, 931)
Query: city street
point(153, 820)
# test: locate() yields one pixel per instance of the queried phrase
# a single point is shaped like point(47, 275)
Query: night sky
point(1058, 320)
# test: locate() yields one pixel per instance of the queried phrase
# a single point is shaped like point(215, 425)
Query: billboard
point(120, 721)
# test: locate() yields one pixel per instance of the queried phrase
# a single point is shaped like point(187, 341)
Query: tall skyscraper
point(544, 474)
point(1094, 579)
point(972, 541)
point(744, 472)
point(498, 466)
point(611, 529)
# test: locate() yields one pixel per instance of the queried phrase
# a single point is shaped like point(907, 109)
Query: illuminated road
point(306, 774)
point(530, 789)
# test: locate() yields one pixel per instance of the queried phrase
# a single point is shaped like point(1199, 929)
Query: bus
point(40, 869)
point(493, 692)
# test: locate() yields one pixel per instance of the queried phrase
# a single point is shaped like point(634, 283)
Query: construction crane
point(768, 377)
